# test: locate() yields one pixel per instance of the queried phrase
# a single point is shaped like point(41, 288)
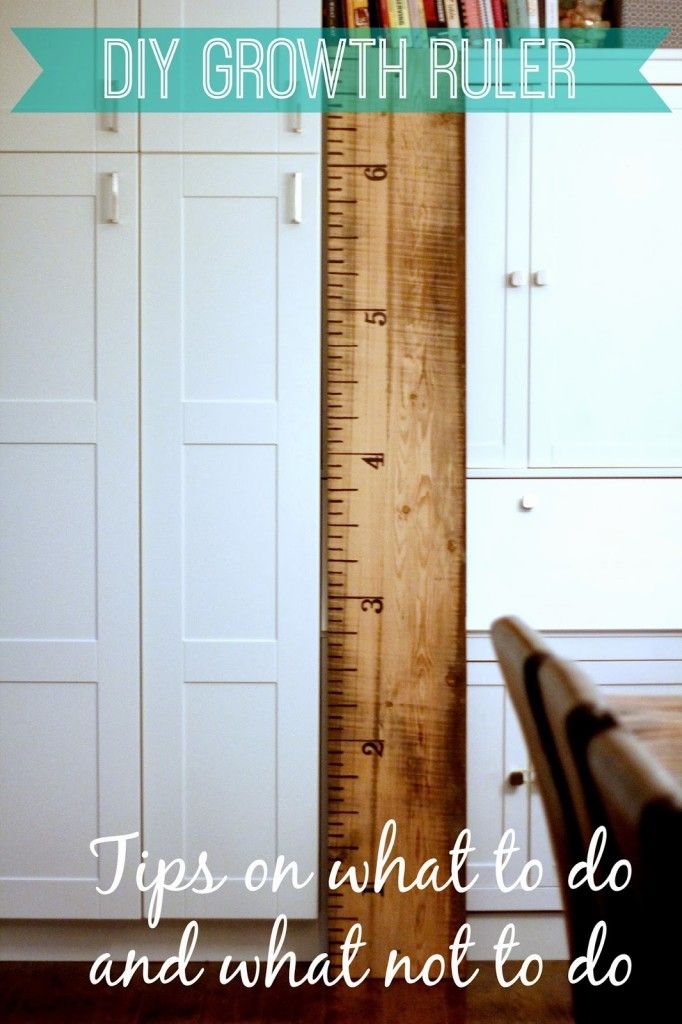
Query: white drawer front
point(590, 554)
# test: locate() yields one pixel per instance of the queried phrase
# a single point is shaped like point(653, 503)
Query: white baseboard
point(544, 934)
point(86, 940)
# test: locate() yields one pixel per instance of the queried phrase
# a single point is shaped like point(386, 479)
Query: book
point(357, 14)
point(551, 13)
point(452, 14)
point(433, 14)
point(471, 14)
point(334, 14)
point(533, 13)
point(384, 17)
point(499, 20)
point(486, 12)
point(375, 13)
point(398, 14)
point(516, 13)
point(417, 14)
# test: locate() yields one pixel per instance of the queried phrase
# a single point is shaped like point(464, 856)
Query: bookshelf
point(475, 14)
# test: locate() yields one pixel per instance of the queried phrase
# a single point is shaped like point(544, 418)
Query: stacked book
point(452, 14)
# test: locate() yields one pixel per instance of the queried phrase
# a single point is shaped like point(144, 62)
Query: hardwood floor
point(62, 994)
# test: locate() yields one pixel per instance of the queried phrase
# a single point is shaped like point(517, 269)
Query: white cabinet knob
point(541, 278)
point(516, 279)
point(528, 502)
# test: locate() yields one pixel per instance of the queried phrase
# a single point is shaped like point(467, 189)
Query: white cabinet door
point(496, 749)
point(69, 573)
point(230, 436)
point(57, 132)
point(498, 192)
point(606, 360)
point(231, 133)
point(590, 554)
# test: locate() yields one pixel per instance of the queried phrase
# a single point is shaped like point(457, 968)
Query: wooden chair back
point(575, 713)
point(641, 807)
point(521, 653)
point(591, 772)
point(524, 658)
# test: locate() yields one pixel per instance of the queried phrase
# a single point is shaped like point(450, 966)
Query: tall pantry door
point(69, 566)
point(230, 512)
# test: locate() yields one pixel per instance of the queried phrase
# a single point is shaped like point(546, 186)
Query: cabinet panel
point(495, 749)
point(231, 133)
point(230, 353)
point(46, 348)
point(231, 520)
point(240, 721)
point(57, 132)
point(57, 769)
point(230, 534)
point(48, 520)
point(498, 194)
point(580, 559)
point(605, 355)
point(69, 573)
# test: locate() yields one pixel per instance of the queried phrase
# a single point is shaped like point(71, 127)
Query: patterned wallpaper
point(654, 12)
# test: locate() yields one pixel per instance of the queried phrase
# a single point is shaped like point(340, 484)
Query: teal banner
point(263, 71)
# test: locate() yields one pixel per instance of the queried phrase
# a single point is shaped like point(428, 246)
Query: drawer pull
point(521, 777)
point(297, 120)
point(529, 502)
point(297, 198)
point(114, 199)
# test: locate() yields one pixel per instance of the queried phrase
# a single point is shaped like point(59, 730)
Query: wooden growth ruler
point(395, 515)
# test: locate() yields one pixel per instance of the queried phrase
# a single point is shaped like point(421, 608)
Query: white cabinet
point(57, 132)
point(230, 471)
point(575, 368)
point(231, 133)
point(69, 579)
point(574, 399)
point(172, 415)
point(574, 305)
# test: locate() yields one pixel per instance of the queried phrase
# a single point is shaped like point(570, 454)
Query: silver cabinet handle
point(516, 279)
point(111, 122)
point(297, 120)
point(114, 198)
point(297, 198)
point(541, 278)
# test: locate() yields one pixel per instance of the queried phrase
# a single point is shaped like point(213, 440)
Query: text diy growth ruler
point(394, 480)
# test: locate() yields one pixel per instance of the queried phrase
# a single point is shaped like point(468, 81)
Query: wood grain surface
point(396, 533)
point(56, 993)
point(657, 722)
